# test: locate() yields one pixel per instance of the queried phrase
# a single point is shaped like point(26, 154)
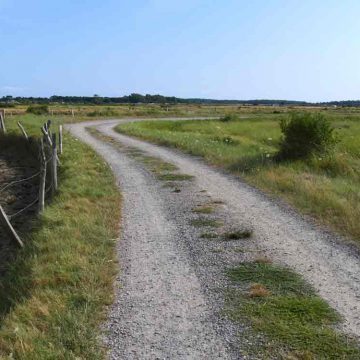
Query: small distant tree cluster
point(40, 109)
point(229, 117)
point(305, 134)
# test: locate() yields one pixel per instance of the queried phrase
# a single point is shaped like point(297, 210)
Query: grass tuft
point(239, 234)
point(203, 209)
point(174, 177)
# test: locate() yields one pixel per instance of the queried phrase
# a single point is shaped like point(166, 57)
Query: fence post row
point(54, 161)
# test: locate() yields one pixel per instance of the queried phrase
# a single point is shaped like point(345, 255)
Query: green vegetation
point(326, 186)
point(296, 323)
point(238, 234)
point(42, 109)
point(305, 134)
point(174, 177)
point(229, 117)
point(53, 296)
point(204, 209)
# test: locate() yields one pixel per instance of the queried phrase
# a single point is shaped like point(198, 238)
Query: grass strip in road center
point(284, 312)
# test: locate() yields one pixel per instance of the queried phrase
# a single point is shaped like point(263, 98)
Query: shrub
point(305, 134)
point(40, 109)
point(229, 117)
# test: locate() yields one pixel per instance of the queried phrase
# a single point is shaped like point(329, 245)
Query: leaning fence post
point(23, 131)
point(60, 140)
point(42, 177)
point(8, 227)
point(2, 121)
point(46, 134)
point(54, 165)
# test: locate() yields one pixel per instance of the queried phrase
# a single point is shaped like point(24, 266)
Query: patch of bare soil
point(14, 166)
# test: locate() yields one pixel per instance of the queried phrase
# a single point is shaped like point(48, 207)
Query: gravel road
point(167, 307)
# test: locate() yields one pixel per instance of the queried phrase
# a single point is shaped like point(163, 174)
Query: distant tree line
point(8, 101)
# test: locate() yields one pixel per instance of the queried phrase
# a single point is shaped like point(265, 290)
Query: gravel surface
point(160, 311)
point(169, 304)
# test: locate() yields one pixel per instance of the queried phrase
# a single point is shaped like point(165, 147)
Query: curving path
point(163, 309)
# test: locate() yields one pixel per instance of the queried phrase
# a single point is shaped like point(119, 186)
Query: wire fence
point(48, 158)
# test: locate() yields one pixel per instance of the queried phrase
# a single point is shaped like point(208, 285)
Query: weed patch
point(239, 234)
point(174, 177)
point(203, 209)
point(279, 304)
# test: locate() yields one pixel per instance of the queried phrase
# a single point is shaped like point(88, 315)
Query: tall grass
point(54, 295)
point(327, 187)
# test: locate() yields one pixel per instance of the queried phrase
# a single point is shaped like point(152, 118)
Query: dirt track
point(163, 310)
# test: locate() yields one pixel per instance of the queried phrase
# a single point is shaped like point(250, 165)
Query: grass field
point(53, 297)
point(163, 110)
point(328, 188)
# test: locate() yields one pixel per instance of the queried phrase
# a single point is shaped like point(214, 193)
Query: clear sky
point(224, 49)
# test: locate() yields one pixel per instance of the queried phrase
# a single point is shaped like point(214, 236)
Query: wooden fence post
point(60, 140)
point(46, 134)
point(2, 121)
point(42, 176)
point(54, 181)
point(8, 227)
point(23, 131)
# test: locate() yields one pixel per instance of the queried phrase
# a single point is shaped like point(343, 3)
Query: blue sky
point(303, 50)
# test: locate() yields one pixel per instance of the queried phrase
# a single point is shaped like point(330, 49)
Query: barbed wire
point(19, 181)
point(49, 188)
point(12, 216)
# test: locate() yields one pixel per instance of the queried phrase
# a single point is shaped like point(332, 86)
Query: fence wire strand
point(23, 209)
point(19, 181)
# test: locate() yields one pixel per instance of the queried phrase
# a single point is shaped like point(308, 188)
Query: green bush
point(305, 134)
point(40, 109)
point(229, 117)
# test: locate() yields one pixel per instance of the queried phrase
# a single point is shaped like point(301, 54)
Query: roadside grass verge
point(295, 322)
point(53, 297)
point(328, 188)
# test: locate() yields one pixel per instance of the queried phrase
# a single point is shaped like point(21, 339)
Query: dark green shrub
point(305, 134)
point(229, 117)
point(40, 109)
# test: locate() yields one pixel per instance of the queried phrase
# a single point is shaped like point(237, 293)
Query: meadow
point(325, 187)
